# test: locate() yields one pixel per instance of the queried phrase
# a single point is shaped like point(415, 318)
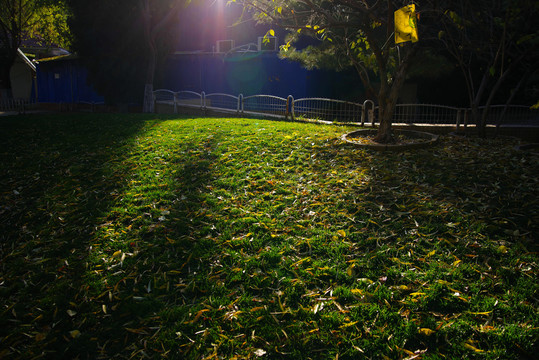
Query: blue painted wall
point(64, 81)
point(255, 73)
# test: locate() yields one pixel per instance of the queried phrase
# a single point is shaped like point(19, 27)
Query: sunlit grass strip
point(238, 238)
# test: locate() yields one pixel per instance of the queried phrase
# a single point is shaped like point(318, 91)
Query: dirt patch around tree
point(404, 139)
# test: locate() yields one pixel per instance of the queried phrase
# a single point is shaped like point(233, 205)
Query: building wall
point(64, 81)
point(256, 73)
point(22, 80)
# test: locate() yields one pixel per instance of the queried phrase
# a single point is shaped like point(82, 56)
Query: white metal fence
point(521, 115)
point(330, 110)
point(268, 105)
point(20, 105)
point(427, 114)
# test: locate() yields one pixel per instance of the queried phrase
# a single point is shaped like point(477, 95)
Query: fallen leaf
point(471, 347)
point(426, 331)
point(260, 352)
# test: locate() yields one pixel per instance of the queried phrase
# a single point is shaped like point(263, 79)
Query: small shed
point(22, 76)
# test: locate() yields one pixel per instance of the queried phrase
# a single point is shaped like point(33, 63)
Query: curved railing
point(331, 110)
point(265, 104)
point(426, 114)
point(327, 109)
point(221, 101)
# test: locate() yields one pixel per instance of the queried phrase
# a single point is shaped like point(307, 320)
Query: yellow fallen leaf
point(443, 282)
point(341, 233)
point(406, 351)
point(257, 308)
point(351, 271)
point(402, 287)
point(357, 292)
point(301, 261)
point(348, 324)
point(117, 253)
point(471, 347)
point(426, 331)
point(74, 334)
point(481, 313)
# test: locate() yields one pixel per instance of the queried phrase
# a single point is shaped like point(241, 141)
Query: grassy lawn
point(131, 236)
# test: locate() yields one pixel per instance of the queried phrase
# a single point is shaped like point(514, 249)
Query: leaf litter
point(238, 238)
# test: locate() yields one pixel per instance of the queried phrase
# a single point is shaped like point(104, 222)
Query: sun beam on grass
point(244, 238)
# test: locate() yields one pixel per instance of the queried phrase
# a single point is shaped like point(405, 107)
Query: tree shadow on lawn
point(479, 187)
point(104, 259)
point(310, 212)
point(60, 177)
point(466, 213)
point(168, 243)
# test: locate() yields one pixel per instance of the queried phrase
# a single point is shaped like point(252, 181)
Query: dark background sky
point(202, 24)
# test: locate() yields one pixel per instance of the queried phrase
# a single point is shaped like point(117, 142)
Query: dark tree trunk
point(148, 106)
point(388, 96)
point(152, 30)
point(386, 106)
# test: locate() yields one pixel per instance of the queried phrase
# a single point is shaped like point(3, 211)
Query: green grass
point(131, 236)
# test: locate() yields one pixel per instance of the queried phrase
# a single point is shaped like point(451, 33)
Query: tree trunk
point(152, 31)
point(387, 98)
point(148, 106)
point(386, 107)
point(385, 134)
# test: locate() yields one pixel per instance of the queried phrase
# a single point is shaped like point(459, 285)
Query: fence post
point(203, 101)
point(363, 112)
point(240, 104)
point(292, 111)
point(289, 106)
point(176, 103)
point(465, 119)
point(370, 112)
point(459, 113)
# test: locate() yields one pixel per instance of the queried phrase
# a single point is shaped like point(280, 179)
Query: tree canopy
point(121, 40)
point(43, 21)
point(348, 33)
point(495, 44)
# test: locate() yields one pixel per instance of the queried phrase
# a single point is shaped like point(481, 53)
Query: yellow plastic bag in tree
point(406, 24)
